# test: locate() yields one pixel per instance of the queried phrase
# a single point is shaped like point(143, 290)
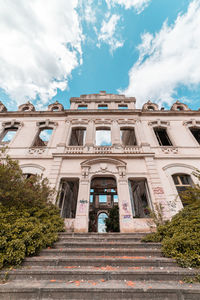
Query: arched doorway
point(101, 226)
point(103, 197)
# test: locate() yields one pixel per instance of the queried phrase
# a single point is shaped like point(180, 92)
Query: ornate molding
point(56, 106)
point(26, 107)
point(150, 106)
point(178, 106)
point(159, 123)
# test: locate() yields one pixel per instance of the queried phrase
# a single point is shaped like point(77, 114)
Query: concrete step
point(101, 235)
point(126, 261)
point(97, 273)
point(97, 244)
point(99, 239)
point(101, 289)
point(68, 252)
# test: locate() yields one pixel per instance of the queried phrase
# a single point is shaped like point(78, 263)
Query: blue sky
point(149, 49)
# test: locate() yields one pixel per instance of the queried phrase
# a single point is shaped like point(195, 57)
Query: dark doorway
point(103, 197)
point(68, 197)
point(140, 198)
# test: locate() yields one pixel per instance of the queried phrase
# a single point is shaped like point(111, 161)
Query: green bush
point(25, 231)
point(180, 237)
point(29, 222)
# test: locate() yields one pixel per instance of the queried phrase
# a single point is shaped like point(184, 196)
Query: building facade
point(103, 152)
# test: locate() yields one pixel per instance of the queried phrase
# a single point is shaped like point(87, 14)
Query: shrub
point(25, 231)
point(180, 237)
point(29, 222)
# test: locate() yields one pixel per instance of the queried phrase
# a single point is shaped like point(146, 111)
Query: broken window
point(162, 136)
point(123, 106)
point(82, 107)
point(103, 137)
point(102, 106)
point(43, 137)
point(77, 137)
point(140, 198)
point(196, 133)
point(68, 197)
point(128, 137)
point(8, 135)
point(182, 182)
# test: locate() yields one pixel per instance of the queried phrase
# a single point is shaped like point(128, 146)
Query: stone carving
point(36, 151)
point(179, 106)
point(27, 107)
point(2, 108)
point(56, 106)
point(169, 150)
point(150, 106)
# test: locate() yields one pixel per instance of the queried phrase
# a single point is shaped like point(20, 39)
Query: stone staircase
point(100, 266)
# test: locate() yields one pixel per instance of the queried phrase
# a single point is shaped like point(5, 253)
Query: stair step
point(100, 239)
point(97, 273)
point(97, 244)
point(66, 252)
point(98, 289)
point(126, 261)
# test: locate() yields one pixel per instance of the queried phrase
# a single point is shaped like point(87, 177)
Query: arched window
point(182, 182)
point(101, 222)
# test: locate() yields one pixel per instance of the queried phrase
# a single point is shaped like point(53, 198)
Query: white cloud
point(168, 59)
point(108, 33)
point(88, 11)
point(40, 46)
point(138, 5)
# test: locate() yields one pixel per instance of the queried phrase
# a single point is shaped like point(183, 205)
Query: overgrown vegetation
point(29, 222)
point(180, 237)
point(112, 222)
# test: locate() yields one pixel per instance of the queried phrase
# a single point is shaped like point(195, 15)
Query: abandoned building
point(103, 152)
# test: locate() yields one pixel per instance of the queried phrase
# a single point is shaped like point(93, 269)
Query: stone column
point(125, 211)
point(115, 131)
point(82, 210)
point(89, 140)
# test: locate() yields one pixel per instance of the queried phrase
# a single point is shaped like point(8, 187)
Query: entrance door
point(103, 197)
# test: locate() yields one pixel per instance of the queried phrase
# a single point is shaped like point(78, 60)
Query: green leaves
point(25, 231)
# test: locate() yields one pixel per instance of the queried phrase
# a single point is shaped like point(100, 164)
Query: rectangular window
point(140, 197)
point(8, 135)
point(196, 133)
point(128, 137)
point(77, 137)
point(123, 106)
point(103, 137)
point(162, 137)
point(43, 137)
point(82, 107)
point(68, 197)
point(102, 106)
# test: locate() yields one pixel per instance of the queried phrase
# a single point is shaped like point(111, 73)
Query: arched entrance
point(103, 197)
point(101, 226)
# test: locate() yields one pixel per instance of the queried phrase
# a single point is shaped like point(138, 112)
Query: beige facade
point(134, 158)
